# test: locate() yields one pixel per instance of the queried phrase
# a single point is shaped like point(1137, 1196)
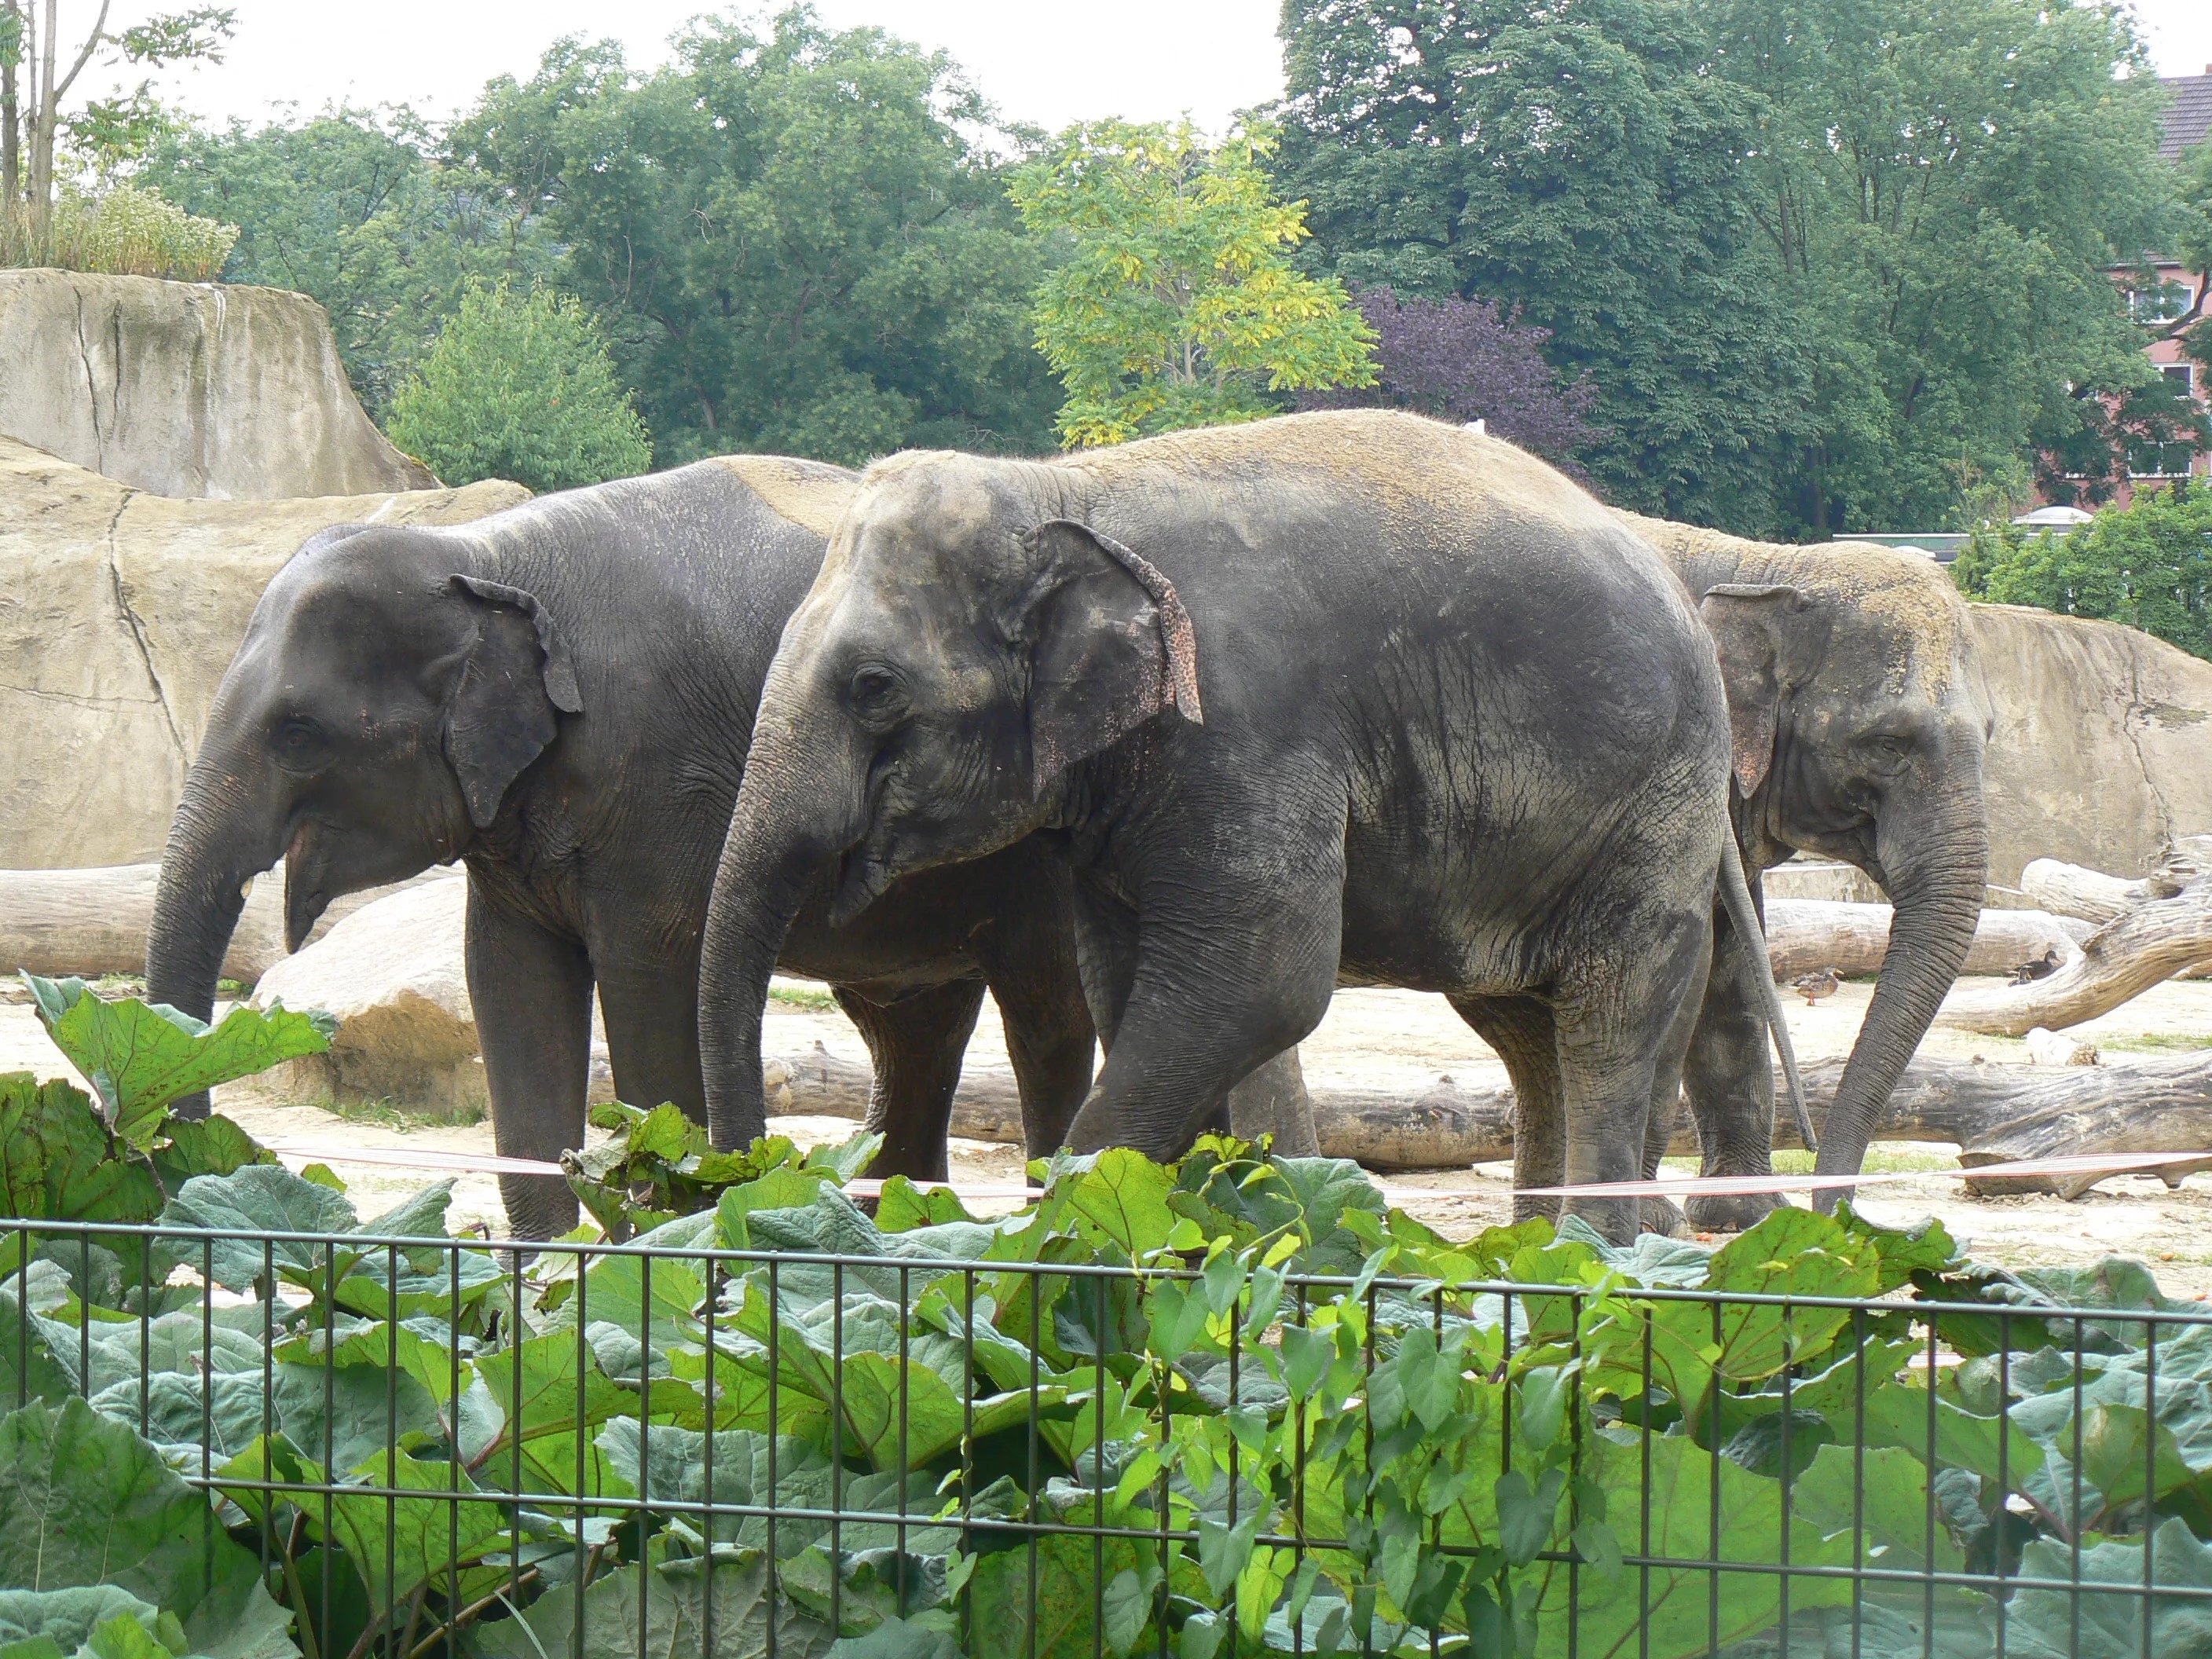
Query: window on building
point(2159, 460)
point(2160, 303)
point(2180, 376)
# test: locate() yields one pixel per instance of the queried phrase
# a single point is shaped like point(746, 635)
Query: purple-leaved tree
point(1465, 359)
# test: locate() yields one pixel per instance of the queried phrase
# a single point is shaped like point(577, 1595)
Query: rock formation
point(188, 388)
point(120, 610)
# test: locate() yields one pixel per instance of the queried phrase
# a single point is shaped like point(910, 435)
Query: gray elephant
point(1858, 720)
point(1336, 698)
point(560, 695)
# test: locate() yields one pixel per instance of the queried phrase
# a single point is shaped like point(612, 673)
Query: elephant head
point(1859, 722)
point(381, 703)
point(964, 645)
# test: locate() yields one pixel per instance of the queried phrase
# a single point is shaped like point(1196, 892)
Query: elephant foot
point(1529, 1209)
point(1660, 1215)
point(1731, 1212)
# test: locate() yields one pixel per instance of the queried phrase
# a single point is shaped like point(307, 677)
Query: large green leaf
point(2040, 1624)
point(59, 1161)
point(662, 1610)
point(141, 1057)
point(67, 1618)
point(83, 1500)
point(253, 1203)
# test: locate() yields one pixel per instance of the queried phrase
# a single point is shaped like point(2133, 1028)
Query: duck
point(1813, 987)
point(2042, 967)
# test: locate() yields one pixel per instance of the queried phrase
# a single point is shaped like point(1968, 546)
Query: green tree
point(519, 387)
point(2148, 565)
point(356, 209)
point(1177, 304)
point(798, 240)
point(1583, 163)
point(1943, 190)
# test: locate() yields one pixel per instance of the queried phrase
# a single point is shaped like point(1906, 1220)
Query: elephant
point(1859, 722)
point(561, 696)
point(1334, 698)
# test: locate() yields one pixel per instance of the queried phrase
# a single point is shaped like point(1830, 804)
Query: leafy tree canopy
point(355, 209)
point(1177, 305)
point(794, 240)
point(519, 387)
point(1466, 360)
point(1579, 161)
point(2148, 565)
point(1830, 263)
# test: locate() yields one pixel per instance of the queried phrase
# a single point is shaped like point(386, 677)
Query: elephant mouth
point(307, 895)
point(863, 875)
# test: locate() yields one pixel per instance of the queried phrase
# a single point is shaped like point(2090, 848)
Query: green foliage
point(141, 1057)
point(1830, 263)
point(797, 238)
point(519, 387)
point(1583, 164)
point(356, 209)
point(2148, 565)
point(1293, 1420)
point(1177, 304)
point(123, 232)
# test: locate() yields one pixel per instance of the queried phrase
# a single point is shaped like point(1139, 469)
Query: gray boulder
point(188, 388)
point(395, 974)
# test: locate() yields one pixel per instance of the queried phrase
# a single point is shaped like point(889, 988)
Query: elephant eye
point(874, 693)
point(298, 743)
point(1890, 749)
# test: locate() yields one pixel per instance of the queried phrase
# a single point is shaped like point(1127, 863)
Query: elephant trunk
point(1937, 906)
point(222, 836)
point(798, 809)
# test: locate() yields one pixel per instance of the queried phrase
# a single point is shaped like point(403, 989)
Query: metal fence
point(422, 1447)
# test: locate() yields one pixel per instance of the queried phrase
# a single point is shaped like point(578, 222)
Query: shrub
point(2148, 565)
point(519, 387)
point(123, 233)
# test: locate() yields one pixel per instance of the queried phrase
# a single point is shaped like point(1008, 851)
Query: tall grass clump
point(123, 231)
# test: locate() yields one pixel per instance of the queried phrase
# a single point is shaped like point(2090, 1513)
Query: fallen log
point(95, 922)
point(1804, 936)
point(2074, 890)
point(2144, 945)
point(1995, 1112)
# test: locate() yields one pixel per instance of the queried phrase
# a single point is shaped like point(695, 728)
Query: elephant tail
point(1736, 895)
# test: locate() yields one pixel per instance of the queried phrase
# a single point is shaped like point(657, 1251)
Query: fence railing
point(373, 1442)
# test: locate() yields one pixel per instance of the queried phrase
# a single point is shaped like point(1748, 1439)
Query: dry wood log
point(2141, 947)
point(1804, 936)
point(2073, 890)
point(1997, 1112)
point(94, 922)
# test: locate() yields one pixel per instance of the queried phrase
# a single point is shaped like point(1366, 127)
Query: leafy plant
point(519, 387)
point(1178, 305)
point(1235, 1406)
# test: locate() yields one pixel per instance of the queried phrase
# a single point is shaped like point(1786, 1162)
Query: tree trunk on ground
point(1806, 935)
point(1995, 1113)
point(94, 922)
point(2144, 945)
point(2071, 889)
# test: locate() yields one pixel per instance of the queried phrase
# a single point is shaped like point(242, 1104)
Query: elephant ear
point(1753, 626)
point(502, 713)
point(1111, 644)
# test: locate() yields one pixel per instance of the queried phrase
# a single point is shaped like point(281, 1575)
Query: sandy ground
point(1410, 1038)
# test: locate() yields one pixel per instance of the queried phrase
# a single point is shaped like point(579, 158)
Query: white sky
point(1047, 62)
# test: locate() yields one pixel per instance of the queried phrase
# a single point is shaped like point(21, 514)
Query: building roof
point(2189, 117)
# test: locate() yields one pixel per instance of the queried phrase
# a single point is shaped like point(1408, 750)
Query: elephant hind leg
point(1519, 1029)
point(917, 1043)
point(1729, 1079)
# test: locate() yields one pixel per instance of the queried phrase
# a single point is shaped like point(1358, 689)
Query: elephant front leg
point(1273, 1101)
point(1730, 1083)
point(1227, 976)
point(917, 1043)
point(531, 990)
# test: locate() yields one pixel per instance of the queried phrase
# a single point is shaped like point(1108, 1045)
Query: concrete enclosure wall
point(2103, 747)
point(120, 610)
point(188, 388)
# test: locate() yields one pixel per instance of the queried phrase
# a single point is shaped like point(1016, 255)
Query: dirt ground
point(1384, 1036)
